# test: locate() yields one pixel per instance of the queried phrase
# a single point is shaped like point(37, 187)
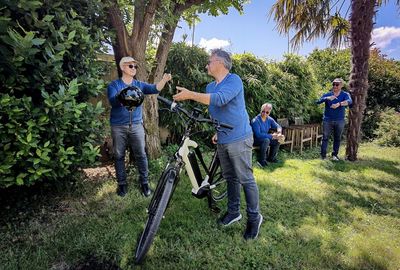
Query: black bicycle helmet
point(131, 97)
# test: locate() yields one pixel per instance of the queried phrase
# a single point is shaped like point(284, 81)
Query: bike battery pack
point(195, 166)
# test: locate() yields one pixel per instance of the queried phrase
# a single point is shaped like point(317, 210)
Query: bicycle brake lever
point(174, 106)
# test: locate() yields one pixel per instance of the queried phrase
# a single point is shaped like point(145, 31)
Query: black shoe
point(227, 219)
point(335, 158)
point(146, 191)
point(273, 160)
point(122, 190)
point(253, 228)
point(262, 164)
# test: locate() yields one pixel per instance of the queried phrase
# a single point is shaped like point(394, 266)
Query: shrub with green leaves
point(187, 64)
point(48, 71)
point(289, 85)
point(388, 131)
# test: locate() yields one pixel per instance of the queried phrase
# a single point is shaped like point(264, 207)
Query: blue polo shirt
point(261, 128)
point(227, 105)
point(119, 115)
point(338, 113)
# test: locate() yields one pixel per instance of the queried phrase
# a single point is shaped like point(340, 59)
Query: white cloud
point(213, 43)
point(383, 36)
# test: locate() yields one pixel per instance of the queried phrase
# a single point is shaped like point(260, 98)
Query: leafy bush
point(299, 100)
point(383, 92)
point(329, 64)
point(187, 64)
point(47, 73)
point(289, 86)
point(388, 131)
point(253, 72)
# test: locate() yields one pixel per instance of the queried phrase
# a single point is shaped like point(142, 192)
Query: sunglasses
point(265, 112)
point(133, 66)
point(335, 84)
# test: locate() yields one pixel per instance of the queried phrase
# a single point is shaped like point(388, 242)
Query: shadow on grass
point(376, 195)
point(299, 232)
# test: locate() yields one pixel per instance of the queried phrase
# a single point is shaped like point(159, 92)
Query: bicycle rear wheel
point(155, 215)
point(218, 186)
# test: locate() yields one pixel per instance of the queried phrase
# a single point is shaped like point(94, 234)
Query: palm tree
point(326, 18)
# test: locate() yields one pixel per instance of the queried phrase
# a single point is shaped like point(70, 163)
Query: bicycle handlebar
point(175, 106)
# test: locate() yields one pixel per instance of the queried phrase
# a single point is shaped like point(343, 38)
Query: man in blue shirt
point(127, 126)
point(261, 125)
point(225, 97)
point(336, 102)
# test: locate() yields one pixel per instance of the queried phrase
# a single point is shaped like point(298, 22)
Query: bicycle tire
point(154, 218)
point(220, 191)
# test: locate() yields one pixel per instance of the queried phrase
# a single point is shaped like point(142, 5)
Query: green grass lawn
point(318, 214)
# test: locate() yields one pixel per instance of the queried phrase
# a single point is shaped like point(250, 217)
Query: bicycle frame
point(188, 156)
point(185, 157)
point(200, 185)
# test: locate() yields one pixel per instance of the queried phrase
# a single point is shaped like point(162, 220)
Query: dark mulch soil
point(93, 263)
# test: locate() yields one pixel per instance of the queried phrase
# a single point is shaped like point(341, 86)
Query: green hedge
point(388, 131)
point(48, 71)
point(289, 85)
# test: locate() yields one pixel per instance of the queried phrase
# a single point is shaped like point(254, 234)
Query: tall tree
point(142, 18)
point(312, 19)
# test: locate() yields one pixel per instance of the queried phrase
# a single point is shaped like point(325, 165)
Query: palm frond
point(310, 20)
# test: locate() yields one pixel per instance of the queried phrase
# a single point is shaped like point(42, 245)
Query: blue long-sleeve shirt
point(261, 128)
point(227, 105)
point(119, 115)
point(338, 113)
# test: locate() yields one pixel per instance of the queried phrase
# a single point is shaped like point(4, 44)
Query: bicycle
point(212, 185)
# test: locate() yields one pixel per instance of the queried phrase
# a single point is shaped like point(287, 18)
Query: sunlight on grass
point(105, 190)
point(296, 176)
point(318, 214)
point(373, 242)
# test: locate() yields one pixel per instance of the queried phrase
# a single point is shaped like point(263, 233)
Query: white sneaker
point(335, 158)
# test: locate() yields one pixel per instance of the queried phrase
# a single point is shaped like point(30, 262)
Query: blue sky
point(253, 32)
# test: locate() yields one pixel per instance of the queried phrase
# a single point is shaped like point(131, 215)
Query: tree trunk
point(361, 20)
point(150, 113)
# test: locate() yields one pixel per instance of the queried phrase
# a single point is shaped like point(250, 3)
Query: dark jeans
point(327, 127)
point(272, 153)
point(236, 168)
point(133, 137)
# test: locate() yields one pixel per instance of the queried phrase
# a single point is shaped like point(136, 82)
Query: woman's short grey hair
point(265, 105)
point(224, 56)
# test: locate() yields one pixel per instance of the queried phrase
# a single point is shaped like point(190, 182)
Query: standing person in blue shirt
point(336, 102)
point(225, 97)
point(261, 125)
point(128, 130)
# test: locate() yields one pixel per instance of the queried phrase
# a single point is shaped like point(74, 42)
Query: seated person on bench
point(261, 125)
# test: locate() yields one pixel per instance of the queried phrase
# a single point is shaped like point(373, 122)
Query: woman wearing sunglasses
point(127, 126)
point(336, 102)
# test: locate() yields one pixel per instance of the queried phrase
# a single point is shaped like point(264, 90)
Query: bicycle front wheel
point(155, 215)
